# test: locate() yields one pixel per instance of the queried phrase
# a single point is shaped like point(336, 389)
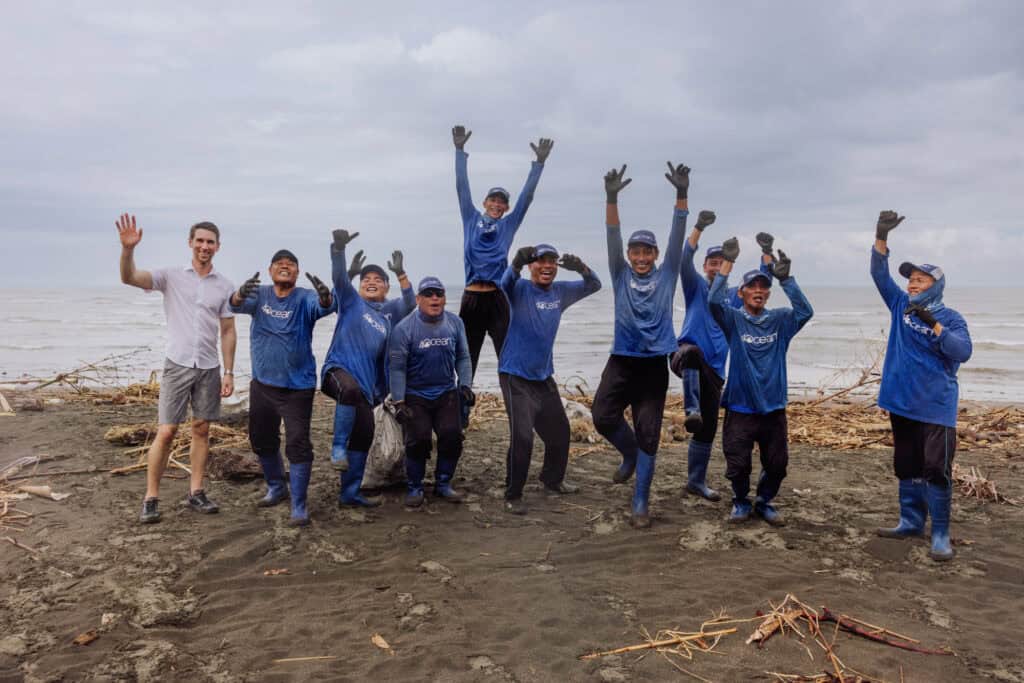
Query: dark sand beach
point(469, 593)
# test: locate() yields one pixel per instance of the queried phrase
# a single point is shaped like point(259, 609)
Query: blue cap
point(501, 191)
point(643, 237)
point(906, 268)
point(543, 249)
point(713, 252)
point(374, 268)
point(429, 282)
point(752, 275)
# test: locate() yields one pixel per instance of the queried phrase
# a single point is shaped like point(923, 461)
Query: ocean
point(46, 331)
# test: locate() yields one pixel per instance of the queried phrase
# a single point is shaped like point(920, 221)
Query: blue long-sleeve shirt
point(486, 241)
point(699, 327)
point(359, 345)
point(643, 304)
point(758, 344)
point(919, 375)
point(399, 307)
point(536, 314)
point(427, 354)
point(281, 336)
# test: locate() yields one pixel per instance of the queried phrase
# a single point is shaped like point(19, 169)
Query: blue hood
point(931, 298)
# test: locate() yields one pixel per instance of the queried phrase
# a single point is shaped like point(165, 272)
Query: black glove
point(321, 289)
point(523, 256)
point(341, 238)
point(731, 249)
point(573, 263)
point(887, 222)
point(460, 136)
point(356, 266)
point(923, 314)
point(704, 219)
point(765, 241)
point(249, 287)
point(395, 264)
point(680, 177)
point(403, 414)
point(780, 268)
point(468, 397)
point(542, 149)
point(614, 183)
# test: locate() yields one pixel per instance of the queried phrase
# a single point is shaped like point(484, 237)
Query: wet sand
point(469, 593)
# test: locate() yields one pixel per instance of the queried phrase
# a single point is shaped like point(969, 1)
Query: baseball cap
point(643, 237)
point(429, 282)
point(498, 191)
point(751, 275)
point(543, 249)
point(374, 268)
point(284, 253)
point(713, 252)
point(906, 268)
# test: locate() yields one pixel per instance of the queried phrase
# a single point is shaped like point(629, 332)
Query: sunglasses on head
point(432, 293)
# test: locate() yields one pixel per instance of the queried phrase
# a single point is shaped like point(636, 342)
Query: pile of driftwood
point(972, 483)
point(229, 449)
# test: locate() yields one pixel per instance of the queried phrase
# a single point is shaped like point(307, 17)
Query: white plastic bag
point(385, 465)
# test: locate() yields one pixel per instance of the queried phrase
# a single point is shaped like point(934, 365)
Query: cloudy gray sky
point(280, 121)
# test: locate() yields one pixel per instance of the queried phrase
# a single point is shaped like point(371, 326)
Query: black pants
point(923, 450)
point(443, 417)
point(484, 313)
point(639, 383)
point(344, 389)
point(691, 357)
point(534, 405)
point(771, 434)
point(267, 407)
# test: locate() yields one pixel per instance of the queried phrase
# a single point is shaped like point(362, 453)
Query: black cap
point(284, 253)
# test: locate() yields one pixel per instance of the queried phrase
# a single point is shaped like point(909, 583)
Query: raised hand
point(127, 232)
point(321, 289)
point(460, 136)
point(731, 249)
point(524, 256)
point(614, 182)
point(395, 264)
point(922, 313)
point(249, 287)
point(765, 241)
point(542, 149)
point(356, 266)
point(573, 263)
point(679, 176)
point(342, 237)
point(704, 219)
point(887, 222)
point(780, 268)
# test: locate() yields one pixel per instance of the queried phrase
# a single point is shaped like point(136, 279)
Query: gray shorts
point(181, 386)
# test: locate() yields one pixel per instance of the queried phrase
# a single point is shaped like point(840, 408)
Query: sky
point(281, 121)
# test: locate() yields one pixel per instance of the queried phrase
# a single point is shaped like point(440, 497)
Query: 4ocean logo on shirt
point(765, 339)
point(485, 226)
point(436, 341)
point(917, 327)
point(374, 324)
point(643, 287)
point(274, 313)
point(548, 305)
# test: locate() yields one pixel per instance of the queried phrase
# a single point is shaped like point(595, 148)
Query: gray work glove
point(679, 176)
point(887, 222)
point(356, 266)
point(322, 290)
point(395, 264)
point(614, 183)
point(765, 241)
point(731, 249)
point(341, 238)
point(542, 149)
point(249, 287)
point(704, 219)
point(780, 268)
point(524, 256)
point(460, 136)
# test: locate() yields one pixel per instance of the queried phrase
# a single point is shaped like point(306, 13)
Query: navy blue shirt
point(426, 355)
point(536, 314)
point(281, 336)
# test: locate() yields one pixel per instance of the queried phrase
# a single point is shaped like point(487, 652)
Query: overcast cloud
point(280, 121)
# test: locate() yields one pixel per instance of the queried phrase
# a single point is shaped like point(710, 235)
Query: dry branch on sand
point(229, 449)
point(973, 484)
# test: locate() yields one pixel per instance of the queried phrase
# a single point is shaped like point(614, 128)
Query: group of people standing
point(424, 358)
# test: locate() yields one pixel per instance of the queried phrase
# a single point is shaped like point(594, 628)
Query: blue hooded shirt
point(757, 345)
point(536, 315)
point(486, 241)
point(281, 336)
point(919, 375)
point(426, 355)
point(643, 304)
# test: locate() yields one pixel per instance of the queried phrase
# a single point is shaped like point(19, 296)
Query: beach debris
point(288, 660)
point(973, 484)
point(31, 551)
point(378, 640)
point(5, 408)
point(684, 643)
point(43, 492)
point(105, 372)
point(229, 449)
point(276, 572)
point(86, 638)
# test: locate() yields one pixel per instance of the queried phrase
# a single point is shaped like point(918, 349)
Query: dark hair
point(204, 225)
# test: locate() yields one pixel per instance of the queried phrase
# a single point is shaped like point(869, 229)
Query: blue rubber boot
point(691, 400)
point(625, 443)
point(697, 458)
point(414, 471)
point(443, 475)
point(641, 517)
point(273, 472)
point(352, 479)
point(344, 418)
point(940, 499)
point(913, 511)
point(741, 507)
point(298, 474)
point(766, 511)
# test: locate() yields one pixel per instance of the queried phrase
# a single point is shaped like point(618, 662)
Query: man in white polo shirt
point(196, 305)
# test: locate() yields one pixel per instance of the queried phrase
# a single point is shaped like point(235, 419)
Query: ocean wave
point(995, 344)
point(26, 347)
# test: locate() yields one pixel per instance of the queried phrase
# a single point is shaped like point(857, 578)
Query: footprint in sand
point(701, 536)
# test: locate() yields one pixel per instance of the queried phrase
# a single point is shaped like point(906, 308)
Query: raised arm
point(802, 311)
point(323, 295)
point(460, 136)
point(130, 236)
point(244, 299)
point(718, 295)
point(408, 300)
point(887, 287)
point(398, 357)
point(525, 198)
point(679, 176)
point(574, 291)
point(614, 182)
point(687, 273)
point(339, 272)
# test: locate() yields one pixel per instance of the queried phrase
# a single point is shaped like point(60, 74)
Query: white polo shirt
point(194, 306)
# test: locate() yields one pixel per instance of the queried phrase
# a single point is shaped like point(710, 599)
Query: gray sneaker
point(150, 513)
point(200, 503)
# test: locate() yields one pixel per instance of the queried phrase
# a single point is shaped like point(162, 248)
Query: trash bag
point(385, 465)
